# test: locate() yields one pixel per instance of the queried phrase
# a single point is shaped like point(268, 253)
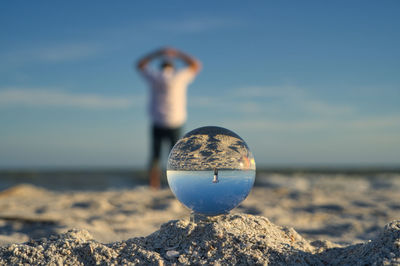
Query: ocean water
point(74, 179)
point(103, 179)
point(197, 191)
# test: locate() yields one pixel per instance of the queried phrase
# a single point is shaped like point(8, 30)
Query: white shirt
point(167, 106)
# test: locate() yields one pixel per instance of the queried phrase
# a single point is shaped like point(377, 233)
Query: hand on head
point(170, 52)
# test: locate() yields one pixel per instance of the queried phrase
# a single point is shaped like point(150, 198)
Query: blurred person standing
point(167, 107)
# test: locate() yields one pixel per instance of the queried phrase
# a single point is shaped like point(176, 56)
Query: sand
point(300, 219)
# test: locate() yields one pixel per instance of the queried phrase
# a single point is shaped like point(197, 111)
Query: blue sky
point(303, 82)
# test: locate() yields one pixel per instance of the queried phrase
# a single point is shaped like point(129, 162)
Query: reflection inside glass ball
point(211, 170)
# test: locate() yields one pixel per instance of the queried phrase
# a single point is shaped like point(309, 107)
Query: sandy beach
point(287, 219)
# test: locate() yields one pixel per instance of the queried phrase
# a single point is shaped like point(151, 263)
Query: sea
point(96, 179)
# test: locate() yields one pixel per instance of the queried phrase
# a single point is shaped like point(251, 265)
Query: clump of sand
point(227, 239)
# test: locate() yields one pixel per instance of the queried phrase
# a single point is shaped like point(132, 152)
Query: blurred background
point(306, 84)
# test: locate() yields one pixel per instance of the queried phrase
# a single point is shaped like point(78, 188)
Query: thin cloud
point(290, 109)
point(52, 53)
point(278, 125)
point(269, 91)
point(225, 103)
point(377, 122)
point(294, 99)
point(276, 100)
point(356, 124)
point(54, 98)
point(67, 52)
point(324, 108)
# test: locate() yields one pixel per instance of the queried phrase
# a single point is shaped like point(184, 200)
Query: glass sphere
point(211, 170)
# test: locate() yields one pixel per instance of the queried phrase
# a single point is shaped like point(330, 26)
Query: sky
point(304, 83)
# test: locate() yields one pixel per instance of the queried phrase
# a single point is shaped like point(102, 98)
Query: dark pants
point(160, 134)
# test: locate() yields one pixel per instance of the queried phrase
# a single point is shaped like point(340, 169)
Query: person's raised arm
point(144, 61)
point(192, 62)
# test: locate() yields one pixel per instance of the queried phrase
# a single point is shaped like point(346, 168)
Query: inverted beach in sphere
point(211, 170)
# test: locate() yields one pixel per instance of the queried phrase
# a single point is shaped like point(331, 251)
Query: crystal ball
point(211, 170)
